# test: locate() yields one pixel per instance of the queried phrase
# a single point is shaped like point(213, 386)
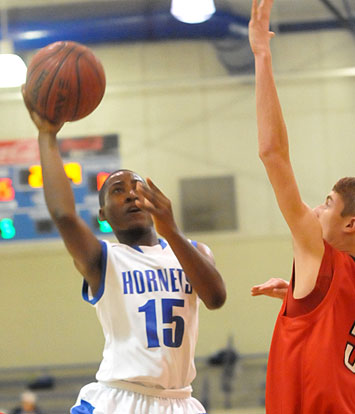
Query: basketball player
point(146, 289)
point(311, 366)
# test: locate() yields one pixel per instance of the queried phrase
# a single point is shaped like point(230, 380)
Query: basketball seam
point(56, 72)
point(78, 84)
point(94, 67)
point(46, 57)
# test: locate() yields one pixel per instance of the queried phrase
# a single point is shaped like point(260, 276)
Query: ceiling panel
point(283, 10)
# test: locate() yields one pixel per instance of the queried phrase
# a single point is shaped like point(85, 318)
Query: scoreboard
point(23, 213)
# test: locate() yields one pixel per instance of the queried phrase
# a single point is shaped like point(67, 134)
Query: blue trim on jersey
point(85, 290)
point(138, 249)
point(84, 408)
point(194, 243)
point(162, 243)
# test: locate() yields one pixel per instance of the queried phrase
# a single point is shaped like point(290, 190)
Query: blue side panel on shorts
point(83, 408)
point(85, 290)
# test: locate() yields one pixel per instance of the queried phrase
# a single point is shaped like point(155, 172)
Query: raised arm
point(78, 237)
point(198, 263)
point(274, 153)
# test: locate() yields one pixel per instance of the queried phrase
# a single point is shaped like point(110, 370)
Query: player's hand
point(259, 33)
point(43, 125)
point(151, 199)
point(274, 287)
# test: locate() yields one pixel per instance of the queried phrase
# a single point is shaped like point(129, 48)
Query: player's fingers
point(146, 193)
point(265, 7)
point(26, 101)
point(154, 195)
point(255, 289)
point(258, 289)
point(154, 187)
point(149, 200)
point(254, 9)
point(146, 205)
point(267, 285)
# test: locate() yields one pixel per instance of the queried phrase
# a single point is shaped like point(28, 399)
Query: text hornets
point(155, 280)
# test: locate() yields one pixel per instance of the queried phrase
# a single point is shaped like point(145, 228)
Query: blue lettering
point(127, 282)
point(180, 272)
point(151, 279)
point(139, 286)
point(173, 279)
point(155, 280)
point(163, 280)
point(188, 287)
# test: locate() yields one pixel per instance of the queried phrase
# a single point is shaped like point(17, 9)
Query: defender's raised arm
point(274, 153)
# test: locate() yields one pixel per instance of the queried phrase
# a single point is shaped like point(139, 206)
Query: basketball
point(65, 82)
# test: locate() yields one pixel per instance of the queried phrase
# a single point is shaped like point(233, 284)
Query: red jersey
point(311, 368)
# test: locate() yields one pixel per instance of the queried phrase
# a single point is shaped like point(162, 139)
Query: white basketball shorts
point(98, 398)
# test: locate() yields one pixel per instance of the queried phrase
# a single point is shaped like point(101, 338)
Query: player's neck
point(351, 249)
point(138, 237)
point(351, 252)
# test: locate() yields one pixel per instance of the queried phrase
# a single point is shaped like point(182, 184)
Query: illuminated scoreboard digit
point(87, 162)
point(7, 191)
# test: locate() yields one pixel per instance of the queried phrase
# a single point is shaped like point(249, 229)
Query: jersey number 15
point(169, 338)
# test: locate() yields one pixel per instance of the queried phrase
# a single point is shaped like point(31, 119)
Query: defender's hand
point(259, 33)
point(274, 287)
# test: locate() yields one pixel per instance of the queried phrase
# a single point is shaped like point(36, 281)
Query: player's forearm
point(272, 133)
point(201, 272)
point(57, 190)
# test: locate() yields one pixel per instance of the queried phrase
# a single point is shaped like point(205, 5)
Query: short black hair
point(103, 188)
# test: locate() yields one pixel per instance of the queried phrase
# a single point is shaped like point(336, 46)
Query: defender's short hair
point(345, 187)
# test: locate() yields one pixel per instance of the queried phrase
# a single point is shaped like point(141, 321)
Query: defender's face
point(120, 208)
point(329, 215)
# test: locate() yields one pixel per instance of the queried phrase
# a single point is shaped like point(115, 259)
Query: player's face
point(329, 215)
point(120, 208)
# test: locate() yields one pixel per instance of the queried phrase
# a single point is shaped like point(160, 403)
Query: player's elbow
point(216, 300)
point(268, 152)
point(273, 157)
point(273, 148)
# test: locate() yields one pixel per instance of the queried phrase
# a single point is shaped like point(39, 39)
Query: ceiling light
point(12, 67)
point(192, 11)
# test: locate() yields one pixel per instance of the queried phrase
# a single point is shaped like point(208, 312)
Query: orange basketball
point(65, 82)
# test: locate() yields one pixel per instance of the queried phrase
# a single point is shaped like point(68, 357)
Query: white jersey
point(149, 316)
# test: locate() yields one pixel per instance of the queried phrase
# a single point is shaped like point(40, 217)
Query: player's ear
point(350, 226)
point(102, 214)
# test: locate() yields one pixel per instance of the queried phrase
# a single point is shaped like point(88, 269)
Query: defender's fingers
point(254, 9)
point(265, 7)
